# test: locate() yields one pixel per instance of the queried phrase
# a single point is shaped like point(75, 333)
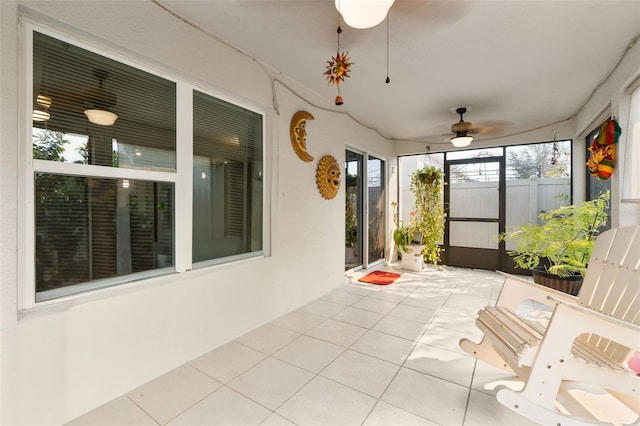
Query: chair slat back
point(612, 282)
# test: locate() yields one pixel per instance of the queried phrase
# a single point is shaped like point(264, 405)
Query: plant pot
point(570, 285)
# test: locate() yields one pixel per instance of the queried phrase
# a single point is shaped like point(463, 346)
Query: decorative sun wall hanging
point(328, 177)
point(338, 68)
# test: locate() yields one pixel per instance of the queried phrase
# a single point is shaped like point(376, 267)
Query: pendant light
point(363, 13)
point(100, 99)
point(461, 129)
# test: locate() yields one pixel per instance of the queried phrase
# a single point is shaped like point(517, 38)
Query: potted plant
point(558, 249)
point(427, 186)
point(403, 234)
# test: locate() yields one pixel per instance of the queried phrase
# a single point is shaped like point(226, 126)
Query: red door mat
point(380, 278)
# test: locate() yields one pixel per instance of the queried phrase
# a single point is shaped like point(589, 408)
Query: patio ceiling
point(519, 65)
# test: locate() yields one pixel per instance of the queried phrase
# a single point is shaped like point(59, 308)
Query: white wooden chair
point(587, 341)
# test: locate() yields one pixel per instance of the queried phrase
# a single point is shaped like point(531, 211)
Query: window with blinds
point(93, 228)
point(227, 175)
point(103, 173)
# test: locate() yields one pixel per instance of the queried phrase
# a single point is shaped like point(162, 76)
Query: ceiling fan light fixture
point(100, 99)
point(101, 117)
point(460, 141)
point(363, 13)
point(461, 129)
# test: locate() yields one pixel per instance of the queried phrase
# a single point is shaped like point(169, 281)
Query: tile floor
point(361, 355)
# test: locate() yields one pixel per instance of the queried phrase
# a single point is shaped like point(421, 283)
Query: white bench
point(587, 341)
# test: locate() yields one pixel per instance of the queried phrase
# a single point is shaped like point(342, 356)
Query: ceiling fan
point(461, 129)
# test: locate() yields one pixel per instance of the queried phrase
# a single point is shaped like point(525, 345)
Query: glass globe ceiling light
point(461, 141)
point(101, 117)
point(100, 113)
point(363, 13)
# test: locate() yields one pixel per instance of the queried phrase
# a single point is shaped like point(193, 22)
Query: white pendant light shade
point(363, 13)
point(461, 141)
point(101, 117)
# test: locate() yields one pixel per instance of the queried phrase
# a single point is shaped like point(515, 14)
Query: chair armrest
point(593, 313)
point(585, 320)
point(515, 290)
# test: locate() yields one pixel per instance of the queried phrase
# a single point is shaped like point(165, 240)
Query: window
point(227, 179)
point(103, 187)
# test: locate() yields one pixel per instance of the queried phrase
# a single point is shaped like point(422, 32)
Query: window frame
point(181, 177)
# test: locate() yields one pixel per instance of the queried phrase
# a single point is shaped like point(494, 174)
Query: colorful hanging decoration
point(603, 150)
point(338, 67)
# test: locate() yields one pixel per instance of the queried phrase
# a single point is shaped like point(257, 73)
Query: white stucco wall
point(612, 97)
point(58, 362)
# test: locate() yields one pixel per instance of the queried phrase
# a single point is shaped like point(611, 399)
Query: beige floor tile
point(223, 408)
point(341, 297)
point(309, 353)
point(413, 313)
point(228, 361)
point(121, 411)
point(485, 410)
point(444, 338)
point(434, 399)
point(325, 402)
point(374, 305)
point(268, 338)
point(385, 415)
point(323, 307)
point(337, 332)
point(462, 323)
point(383, 346)
point(487, 377)
point(400, 327)
point(465, 305)
point(271, 382)
point(276, 420)
point(361, 372)
point(441, 363)
point(299, 321)
point(359, 317)
point(430, 300)
point(171, 394)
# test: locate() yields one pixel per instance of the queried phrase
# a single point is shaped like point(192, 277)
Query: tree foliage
point(538, 160)
point(49, 145)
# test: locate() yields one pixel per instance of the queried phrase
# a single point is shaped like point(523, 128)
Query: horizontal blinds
point(227, 148)
point(93, 228)
point(72, 80)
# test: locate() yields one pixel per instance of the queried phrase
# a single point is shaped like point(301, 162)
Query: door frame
point(362, 220)
point(468, 257)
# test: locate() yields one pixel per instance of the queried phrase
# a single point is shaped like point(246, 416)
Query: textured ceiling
point(517, 64)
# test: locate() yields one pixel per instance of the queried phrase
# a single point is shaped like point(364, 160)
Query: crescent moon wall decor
point(298, 134)
point(328, 177)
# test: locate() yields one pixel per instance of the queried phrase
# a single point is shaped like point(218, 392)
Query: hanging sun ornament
point(338, 68)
